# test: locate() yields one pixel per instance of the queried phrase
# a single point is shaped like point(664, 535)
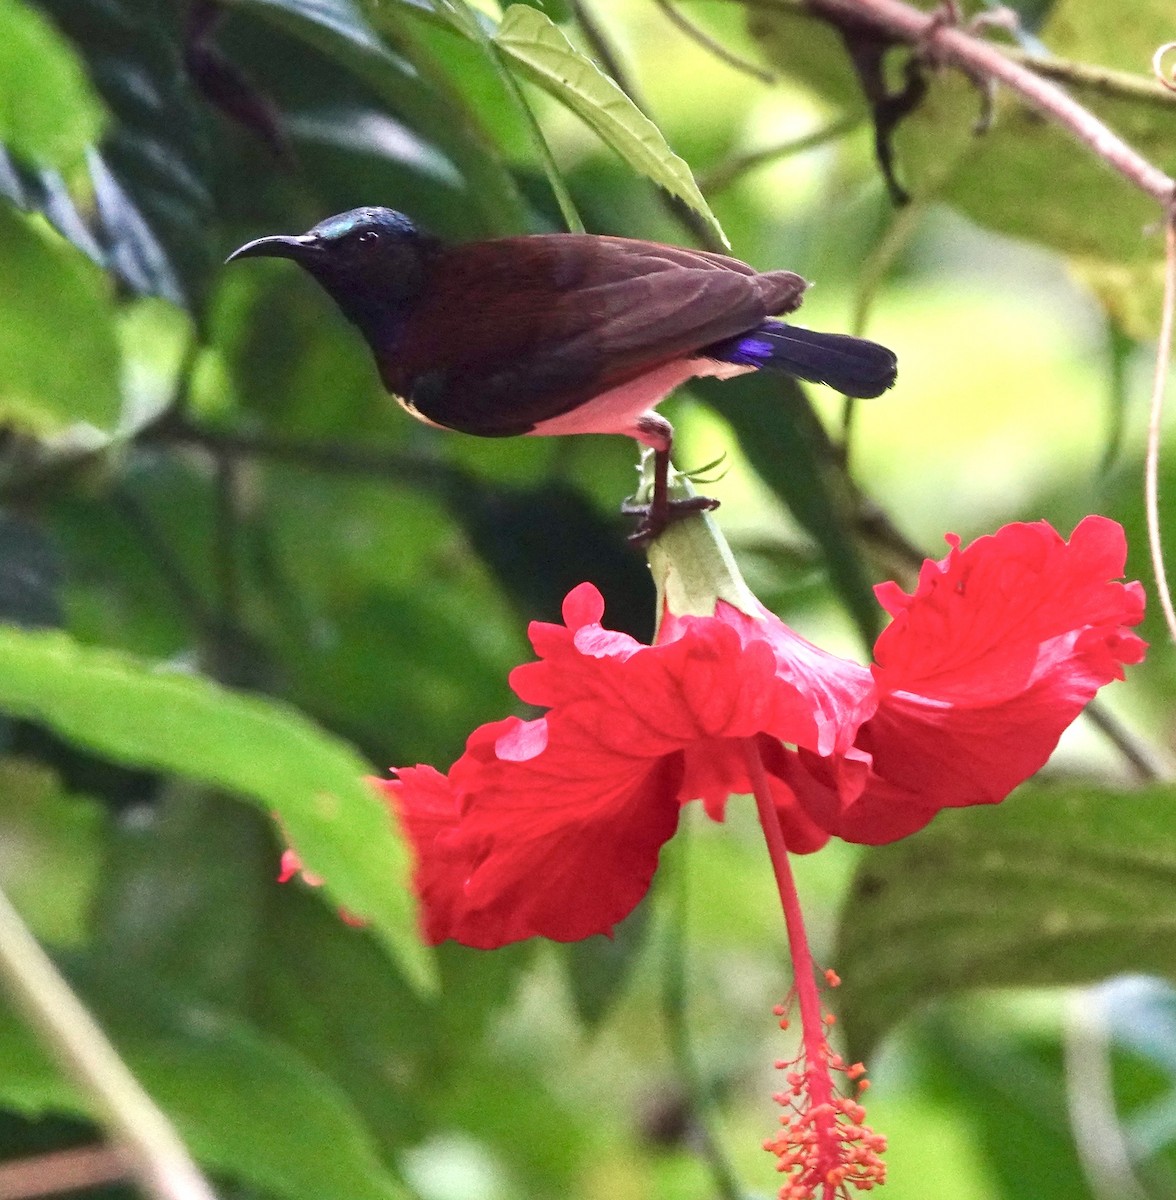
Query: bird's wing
point(519, 330)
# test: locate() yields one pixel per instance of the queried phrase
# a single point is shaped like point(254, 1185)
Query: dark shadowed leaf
point(1060, 884)
point(185, 886)
point(31, 574)
point(246, 1104)
point(514, 528)
point(415, 89)
point(599, 967)
point(148, 173)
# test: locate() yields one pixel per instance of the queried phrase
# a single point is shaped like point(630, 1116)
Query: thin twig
point(713, 47)
point(1166, 79)
point(730, 169)
point(1156, 412)
point(328, 457)
point(147, 1142)
point(1099, 1132)
point(1103, 81)
point(1139, 756)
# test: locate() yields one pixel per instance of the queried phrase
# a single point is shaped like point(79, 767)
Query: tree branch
point(899, 22)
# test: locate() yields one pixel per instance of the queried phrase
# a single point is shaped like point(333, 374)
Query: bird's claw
point(654, 522)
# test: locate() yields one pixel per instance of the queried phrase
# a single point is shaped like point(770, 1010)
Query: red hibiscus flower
point(552, 827)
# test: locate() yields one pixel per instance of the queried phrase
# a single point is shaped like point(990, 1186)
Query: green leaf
point(326, 991)
point(185, 889)
point(134, 713)
point(547, 58)
point(599, 968)
point(809, 51)
point(49, 114)
point(50, 296)
point(50, 850)
point(245, 1104)
point(1060, 884)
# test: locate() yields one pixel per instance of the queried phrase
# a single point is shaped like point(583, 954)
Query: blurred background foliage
point(235, 579)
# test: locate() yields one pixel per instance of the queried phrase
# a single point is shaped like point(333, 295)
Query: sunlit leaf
point(49, 114)
point(547, 58)
point(133, 713)
point(53, 297)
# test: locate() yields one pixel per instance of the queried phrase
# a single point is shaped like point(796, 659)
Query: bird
point(564, 333)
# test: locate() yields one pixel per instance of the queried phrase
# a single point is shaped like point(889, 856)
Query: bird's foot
point(655, 519)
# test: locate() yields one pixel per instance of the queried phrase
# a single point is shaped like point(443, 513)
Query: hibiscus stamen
point(824, 1146)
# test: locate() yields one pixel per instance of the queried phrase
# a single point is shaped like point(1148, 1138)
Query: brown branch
point(61, 1171)
point(139, 1131)
point(899, 22)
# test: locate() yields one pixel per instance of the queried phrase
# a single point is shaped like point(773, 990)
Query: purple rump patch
point(746, 351)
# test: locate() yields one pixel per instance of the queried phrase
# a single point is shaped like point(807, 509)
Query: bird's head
point(372, 261)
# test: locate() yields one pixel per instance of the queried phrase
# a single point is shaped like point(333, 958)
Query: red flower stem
point(804, 978)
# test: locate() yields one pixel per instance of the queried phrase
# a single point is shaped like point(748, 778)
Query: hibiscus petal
point(559, 842)
point(562, 846)
point(998, 650)
point(977, 626)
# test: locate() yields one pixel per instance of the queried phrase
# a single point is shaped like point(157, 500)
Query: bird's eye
point(369, 237)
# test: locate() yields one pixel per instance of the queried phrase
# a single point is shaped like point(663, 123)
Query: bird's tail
point(851, 365)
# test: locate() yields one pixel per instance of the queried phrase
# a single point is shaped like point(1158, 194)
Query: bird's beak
point(302, 249)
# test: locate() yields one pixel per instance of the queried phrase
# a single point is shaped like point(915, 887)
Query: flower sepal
point(692, 565)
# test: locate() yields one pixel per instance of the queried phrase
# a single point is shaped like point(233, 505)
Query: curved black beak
point(302, 248)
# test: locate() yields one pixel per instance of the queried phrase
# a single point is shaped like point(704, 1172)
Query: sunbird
point(563, 333)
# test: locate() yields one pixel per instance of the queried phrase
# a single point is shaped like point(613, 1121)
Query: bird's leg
point(656, 433)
